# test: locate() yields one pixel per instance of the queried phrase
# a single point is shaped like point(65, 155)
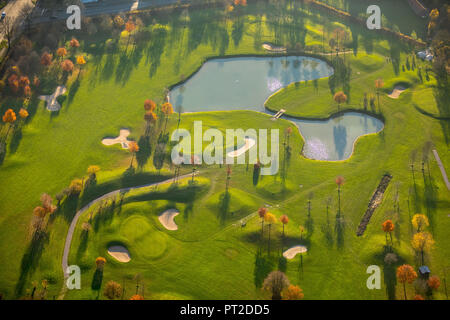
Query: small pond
point(245, 83)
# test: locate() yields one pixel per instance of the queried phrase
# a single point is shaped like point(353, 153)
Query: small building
point(424, 272)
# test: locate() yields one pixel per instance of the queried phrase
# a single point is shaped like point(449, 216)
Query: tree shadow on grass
point(224, 207)
point(30, 259)
point(83, 244)
point(69, 207)
point(339, 229)
point(97, 280)
point(73, 91)
point(15, 140)
point(263, 266)
point(145, 151)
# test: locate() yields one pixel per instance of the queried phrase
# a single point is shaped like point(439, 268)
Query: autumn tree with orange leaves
point(167, 110)
point(406, 274)
point(9, 117)
point(133, 148)
point(284, 220)
point(262, 213)
point(340, 180)
point(340, 97)
point(434, 283)
point(293, 293)
point(149, 105)
point(388, 227)
point(129, 28)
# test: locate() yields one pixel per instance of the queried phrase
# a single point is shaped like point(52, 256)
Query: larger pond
point(245, 83)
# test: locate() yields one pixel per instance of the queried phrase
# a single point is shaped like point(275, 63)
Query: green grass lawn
point(211, 256)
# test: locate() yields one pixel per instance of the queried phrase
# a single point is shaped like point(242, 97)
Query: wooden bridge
point(278, 114)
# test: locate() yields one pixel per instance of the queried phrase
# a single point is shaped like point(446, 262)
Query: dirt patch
point(376, 200)
point(119, 253)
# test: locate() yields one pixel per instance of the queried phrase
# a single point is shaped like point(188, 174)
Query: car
point(3, 15)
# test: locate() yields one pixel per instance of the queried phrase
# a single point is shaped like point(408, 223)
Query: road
point(13, 9)
point(103, 7)
point(74, 222)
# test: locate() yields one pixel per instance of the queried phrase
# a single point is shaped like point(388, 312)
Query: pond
point(245, 83)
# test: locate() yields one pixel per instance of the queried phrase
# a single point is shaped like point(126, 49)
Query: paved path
point(441, 166)
point(74, 222)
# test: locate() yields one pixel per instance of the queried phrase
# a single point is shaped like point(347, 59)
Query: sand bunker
point(52, 103)
point(122, 139)
point(249, 143)
point(292, 252)
point(272, 48)
point(119, 253)
point(166, 219)
point(395, 94)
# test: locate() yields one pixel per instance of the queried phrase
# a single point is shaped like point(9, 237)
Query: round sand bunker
point(119, 253)
point(292, 252)
point(167, 219)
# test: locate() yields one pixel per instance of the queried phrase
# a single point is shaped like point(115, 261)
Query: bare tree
point(26, 17)
point(8, 29)
point(276, 282)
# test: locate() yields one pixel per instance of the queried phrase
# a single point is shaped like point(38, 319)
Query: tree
point(112, 290)
point(275, 283)
point(149, 105)
point(8, 29)
point(81, 62)
point(67, 65)
point(92, 171)
point(378, 85)
point(288, 134)
point(262, 214)
point(150, 117)
point(23, 114)
point(302, 229)
point(434, 283)
point(340, 180)
point(100, 263)
point(74, 44)
point(227, 184)
point(406, 273)
point(46, 59)
point(388, 227)
point(75, 187)
point(284, 220)
point(270, 219)
point(293, 293)
point(340, 97)
point(61, 52)
point(422, 242)
point(167, 110)
point(9, 117)
point(129, 28)
point(40, 213)
point(133, 148)
point(420, 222)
